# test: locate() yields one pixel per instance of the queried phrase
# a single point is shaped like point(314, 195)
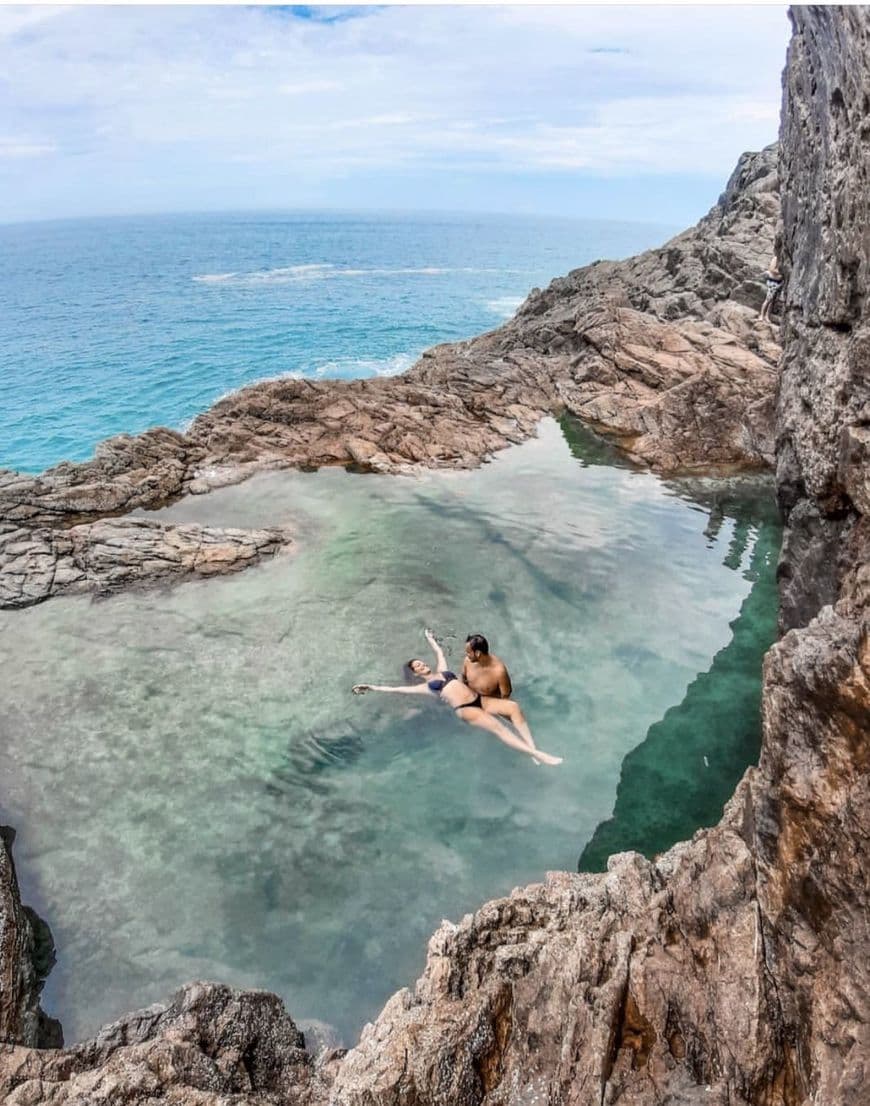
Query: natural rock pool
point(198, 795)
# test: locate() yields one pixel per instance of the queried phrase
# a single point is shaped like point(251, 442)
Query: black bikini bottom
point(475, 702)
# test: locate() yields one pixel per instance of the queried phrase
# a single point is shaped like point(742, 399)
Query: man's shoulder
point(498, 663)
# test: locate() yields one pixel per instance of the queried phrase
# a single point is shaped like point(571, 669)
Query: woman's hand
point(440, 659)
point(361, 689)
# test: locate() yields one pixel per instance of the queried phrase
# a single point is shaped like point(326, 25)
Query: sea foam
point(505, 306)
point(289, 274)
point(353, 367)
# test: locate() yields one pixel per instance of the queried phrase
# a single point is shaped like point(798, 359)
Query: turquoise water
point(114, 325)
point(198, 794)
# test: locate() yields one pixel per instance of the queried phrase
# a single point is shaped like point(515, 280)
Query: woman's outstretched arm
point(416, 689)
point(440, 659)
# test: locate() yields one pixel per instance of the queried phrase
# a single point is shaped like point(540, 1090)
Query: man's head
point(476, 646)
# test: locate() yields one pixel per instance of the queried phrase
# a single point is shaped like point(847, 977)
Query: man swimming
point(483, 671)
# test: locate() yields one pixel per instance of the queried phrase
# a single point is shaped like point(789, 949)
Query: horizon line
point(334, 210)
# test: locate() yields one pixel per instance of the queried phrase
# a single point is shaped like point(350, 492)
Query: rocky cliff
point(733, 969)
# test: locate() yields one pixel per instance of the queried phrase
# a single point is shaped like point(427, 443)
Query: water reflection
point(688, 765)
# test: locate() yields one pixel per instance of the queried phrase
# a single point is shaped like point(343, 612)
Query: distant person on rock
point(484, 711)
point(773, 279)
point(483, 671)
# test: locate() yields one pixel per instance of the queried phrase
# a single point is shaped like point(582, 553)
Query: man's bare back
point(483, 671)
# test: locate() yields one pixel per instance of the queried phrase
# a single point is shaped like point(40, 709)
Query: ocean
point(110, 326)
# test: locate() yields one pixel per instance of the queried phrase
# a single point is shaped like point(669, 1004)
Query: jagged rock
point(110, 554)
point(823, 408)
point(211, 1046)
point(587, 989)
point(662, 351)
point(710, 272)
point(127, 472)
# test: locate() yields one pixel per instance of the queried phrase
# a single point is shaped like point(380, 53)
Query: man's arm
point(505, 686)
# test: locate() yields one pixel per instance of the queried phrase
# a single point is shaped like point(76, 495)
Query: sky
point(598, 112)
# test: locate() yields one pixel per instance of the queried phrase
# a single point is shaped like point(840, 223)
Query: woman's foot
point(545, 758)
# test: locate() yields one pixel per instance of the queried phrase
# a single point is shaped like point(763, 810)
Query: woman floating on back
point(477, 710)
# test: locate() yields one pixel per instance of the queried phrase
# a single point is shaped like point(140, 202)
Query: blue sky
point(614, 112)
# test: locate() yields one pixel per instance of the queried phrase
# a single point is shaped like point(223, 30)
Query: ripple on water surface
point(199, 795)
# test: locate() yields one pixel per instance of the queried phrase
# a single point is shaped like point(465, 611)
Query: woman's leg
point(476, 716)
point(508, 708)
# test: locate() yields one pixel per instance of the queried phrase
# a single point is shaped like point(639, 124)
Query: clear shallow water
point(112, 325)
point(197, 793)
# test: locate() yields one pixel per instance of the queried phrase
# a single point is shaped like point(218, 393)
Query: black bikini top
point(437, 686)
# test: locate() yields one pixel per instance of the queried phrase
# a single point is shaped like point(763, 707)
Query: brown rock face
point(661, 351)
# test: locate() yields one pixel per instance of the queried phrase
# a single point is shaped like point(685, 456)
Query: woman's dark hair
point(478, 643)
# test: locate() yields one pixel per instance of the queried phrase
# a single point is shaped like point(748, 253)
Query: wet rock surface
point(733, 969)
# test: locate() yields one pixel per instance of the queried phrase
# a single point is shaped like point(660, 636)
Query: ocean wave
point(290, 274)
point(354, 367)
point(214, 278)
point(505, 306)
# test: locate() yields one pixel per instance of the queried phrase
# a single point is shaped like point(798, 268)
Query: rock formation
point(113, 553)
point(733, 969)
point(210, 1045)
point(660, 351)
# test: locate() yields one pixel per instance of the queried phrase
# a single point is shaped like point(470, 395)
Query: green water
point(198, 795)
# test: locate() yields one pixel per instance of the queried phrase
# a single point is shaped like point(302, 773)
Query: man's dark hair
point(478, 643)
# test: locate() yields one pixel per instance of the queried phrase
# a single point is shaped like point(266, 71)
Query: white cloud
point(16, 148)
point(181, 91)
